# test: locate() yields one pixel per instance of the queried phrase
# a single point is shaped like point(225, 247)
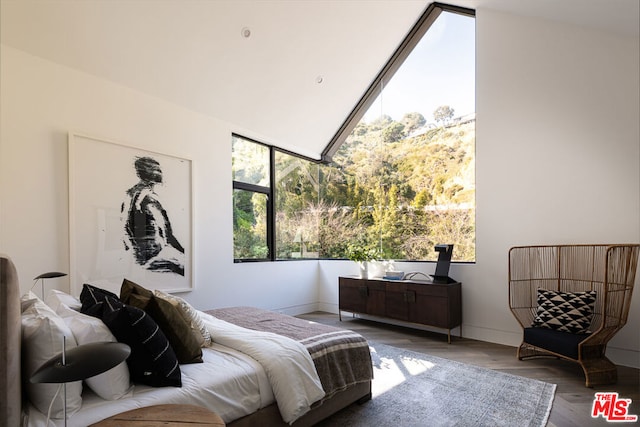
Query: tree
point(422, 199)
point(392, 133)
point(443, 114)
point(361, 128)
point(337, 228)
point(412, 121)
point(380, 123)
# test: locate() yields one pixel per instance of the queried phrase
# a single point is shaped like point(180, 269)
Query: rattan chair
point(607, 269)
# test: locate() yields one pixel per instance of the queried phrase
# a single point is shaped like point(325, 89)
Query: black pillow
point(91, 295)
point(152, 360)
point(168, 317)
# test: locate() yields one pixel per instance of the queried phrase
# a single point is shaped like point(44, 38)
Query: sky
point(439, 71)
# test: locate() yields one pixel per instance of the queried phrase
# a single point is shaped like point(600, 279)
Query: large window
point(408, 166)
point(398, 178)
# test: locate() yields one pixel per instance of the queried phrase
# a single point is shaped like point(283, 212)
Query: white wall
point(558, 154)
point(558, 161)
point(42, 101)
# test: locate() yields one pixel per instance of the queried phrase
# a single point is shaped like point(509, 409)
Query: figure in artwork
point(148, 232)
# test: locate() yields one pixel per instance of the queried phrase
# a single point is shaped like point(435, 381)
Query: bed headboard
point(10, 336)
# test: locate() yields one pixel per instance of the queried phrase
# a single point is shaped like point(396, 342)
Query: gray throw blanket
point(341, 357)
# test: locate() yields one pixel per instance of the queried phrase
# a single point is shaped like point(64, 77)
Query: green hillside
point(394, 188)
point(408, 193)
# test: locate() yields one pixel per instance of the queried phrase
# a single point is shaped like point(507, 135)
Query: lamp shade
point(82, 362)
point(50, 275)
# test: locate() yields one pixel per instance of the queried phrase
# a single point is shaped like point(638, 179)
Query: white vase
point(364, 269)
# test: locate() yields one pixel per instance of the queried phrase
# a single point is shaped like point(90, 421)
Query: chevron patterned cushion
point(565, 311)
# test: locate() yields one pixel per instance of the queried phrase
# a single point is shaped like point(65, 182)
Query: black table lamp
point(79, 363)
point(49, 275)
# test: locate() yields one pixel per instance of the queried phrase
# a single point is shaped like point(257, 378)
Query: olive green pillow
point(185, 344)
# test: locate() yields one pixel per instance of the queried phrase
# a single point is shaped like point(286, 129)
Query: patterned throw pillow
point(92, 295)
point(170, 319)
point(152, 360)
point(190, 313)
point(565, 311)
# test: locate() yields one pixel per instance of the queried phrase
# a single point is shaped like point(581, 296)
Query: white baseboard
point(328, 307)
point(297, 309)
point(624, 357)
point(508, 338)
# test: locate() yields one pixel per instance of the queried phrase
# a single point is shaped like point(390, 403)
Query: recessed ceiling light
point(319, 79)
point(246, 32)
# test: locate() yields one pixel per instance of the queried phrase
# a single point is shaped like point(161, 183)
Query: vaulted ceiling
point(285, 71)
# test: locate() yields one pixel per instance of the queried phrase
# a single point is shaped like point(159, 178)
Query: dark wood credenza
point(421, 302)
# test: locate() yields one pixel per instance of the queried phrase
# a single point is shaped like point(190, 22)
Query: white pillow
point(190, 314)
point(112, 384)
point(56, 297)
point(42, 335)
point(27, 300)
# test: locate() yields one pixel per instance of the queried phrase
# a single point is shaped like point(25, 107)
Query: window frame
point(270, 192)
point(413, 37)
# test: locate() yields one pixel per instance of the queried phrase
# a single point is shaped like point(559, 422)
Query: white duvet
point(242, 372)
point(287, 363)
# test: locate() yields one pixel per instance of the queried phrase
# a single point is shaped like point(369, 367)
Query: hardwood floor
point(573, 401)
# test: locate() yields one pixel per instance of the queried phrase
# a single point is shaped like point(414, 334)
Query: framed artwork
point(130, 216)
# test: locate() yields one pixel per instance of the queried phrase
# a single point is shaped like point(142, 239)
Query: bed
point(233, 382)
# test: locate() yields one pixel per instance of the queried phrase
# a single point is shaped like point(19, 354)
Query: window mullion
point(271, 208)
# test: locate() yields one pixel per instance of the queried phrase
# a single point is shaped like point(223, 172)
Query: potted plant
point(361, 254)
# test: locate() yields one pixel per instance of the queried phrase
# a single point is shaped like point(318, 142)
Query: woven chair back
point(607, 269)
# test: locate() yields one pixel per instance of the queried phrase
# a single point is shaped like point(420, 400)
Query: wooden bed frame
point(11, 403)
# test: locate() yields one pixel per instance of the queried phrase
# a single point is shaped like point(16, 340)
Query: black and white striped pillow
point(152, 360)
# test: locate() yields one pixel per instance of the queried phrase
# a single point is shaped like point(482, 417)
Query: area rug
point(416, 389)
